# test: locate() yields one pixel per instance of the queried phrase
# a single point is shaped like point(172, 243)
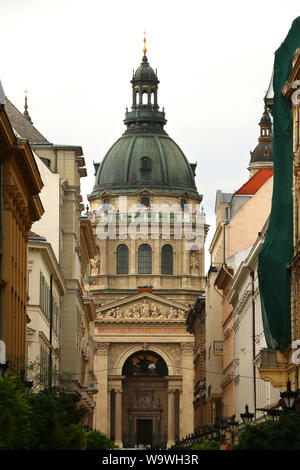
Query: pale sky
point(214, 62)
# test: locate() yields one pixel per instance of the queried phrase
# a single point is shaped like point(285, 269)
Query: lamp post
point(233, 425)
point(222, 429)
point(247, 417)
point(3, 367)
point(288, 397)
point(273, 415)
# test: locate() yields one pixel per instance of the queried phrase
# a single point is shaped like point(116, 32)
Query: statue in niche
point(194, 265)
point(95, 265)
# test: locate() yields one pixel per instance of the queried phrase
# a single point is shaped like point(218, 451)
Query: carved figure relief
point(148, 310)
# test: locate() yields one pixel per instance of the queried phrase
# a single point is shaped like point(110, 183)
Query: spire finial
point(26, 114)
point(145, 48)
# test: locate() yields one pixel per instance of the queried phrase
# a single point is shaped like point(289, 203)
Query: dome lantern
point(262, 155)
point(145, 114)
point(145, 156)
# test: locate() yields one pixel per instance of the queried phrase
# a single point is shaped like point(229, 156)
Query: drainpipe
point(296, 235)
point(1, 234)
point(50, 334)
point(1, 244)
point(253, 341)
point(224, 235)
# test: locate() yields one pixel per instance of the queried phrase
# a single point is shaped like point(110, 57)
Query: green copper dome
point(135, 162)
point(145, 156)
point(144, 72)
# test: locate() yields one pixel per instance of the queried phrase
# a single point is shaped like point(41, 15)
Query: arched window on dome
point(145, 163)
point(122, 259)
point(145, 259)
point(167, 259)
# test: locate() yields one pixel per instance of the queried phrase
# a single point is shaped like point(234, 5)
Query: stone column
point(118, 418)
point(180, 411)
point(187, 409)
point(101, 368)
point(108, 413)
point(171, 418)
point(156, 269)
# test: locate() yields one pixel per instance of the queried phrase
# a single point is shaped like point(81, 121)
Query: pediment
point(146, 192)
point(143, 307)
point(104, 194)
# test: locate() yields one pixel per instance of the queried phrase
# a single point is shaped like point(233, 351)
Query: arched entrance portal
point(145, 401)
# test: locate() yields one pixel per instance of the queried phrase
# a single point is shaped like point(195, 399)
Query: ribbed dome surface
point(144, 72)
point(263, 152)
point(122, 168)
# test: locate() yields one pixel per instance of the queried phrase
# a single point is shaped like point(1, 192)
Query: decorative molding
point(187, 348)
point(102, 348)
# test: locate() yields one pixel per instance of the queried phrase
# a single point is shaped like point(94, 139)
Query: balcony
point(227, 379)
point(273, 367)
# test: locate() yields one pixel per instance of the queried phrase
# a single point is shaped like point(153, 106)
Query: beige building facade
point(239, 218)
point(46, 288)
point(72, 242)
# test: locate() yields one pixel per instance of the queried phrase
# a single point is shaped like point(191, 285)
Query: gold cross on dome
point(145, 48)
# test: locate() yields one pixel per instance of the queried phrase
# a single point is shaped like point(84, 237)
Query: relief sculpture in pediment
point(144, 310)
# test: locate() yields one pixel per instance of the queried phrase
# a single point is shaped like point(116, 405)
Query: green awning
point(277, 251)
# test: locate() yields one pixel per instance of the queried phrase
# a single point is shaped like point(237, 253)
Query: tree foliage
point(44, 420)
point(95, 440)
point(206, 445)
point(283, 434)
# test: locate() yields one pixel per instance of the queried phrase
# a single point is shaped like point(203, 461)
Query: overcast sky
point(214, 61)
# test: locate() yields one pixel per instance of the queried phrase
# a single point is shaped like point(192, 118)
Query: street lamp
point(273, 415)
point(3, 367)
point(222, 429)
point(247, 417)
point(289, 397)
point(233, 425)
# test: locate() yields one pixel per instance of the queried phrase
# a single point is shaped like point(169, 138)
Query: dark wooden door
point(144, 431)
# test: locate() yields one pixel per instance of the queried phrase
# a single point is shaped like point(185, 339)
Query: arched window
point(183, 203)
point(145, 201)
point(167, 259)
point(122, 259)
point(145, 163)
point(145, 259)
point(145, 98)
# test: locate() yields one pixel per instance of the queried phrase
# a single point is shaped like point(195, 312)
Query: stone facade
point(20, 207)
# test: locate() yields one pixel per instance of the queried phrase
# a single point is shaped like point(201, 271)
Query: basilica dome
point(263, 152)
point(145, 156)
point(138, 161)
